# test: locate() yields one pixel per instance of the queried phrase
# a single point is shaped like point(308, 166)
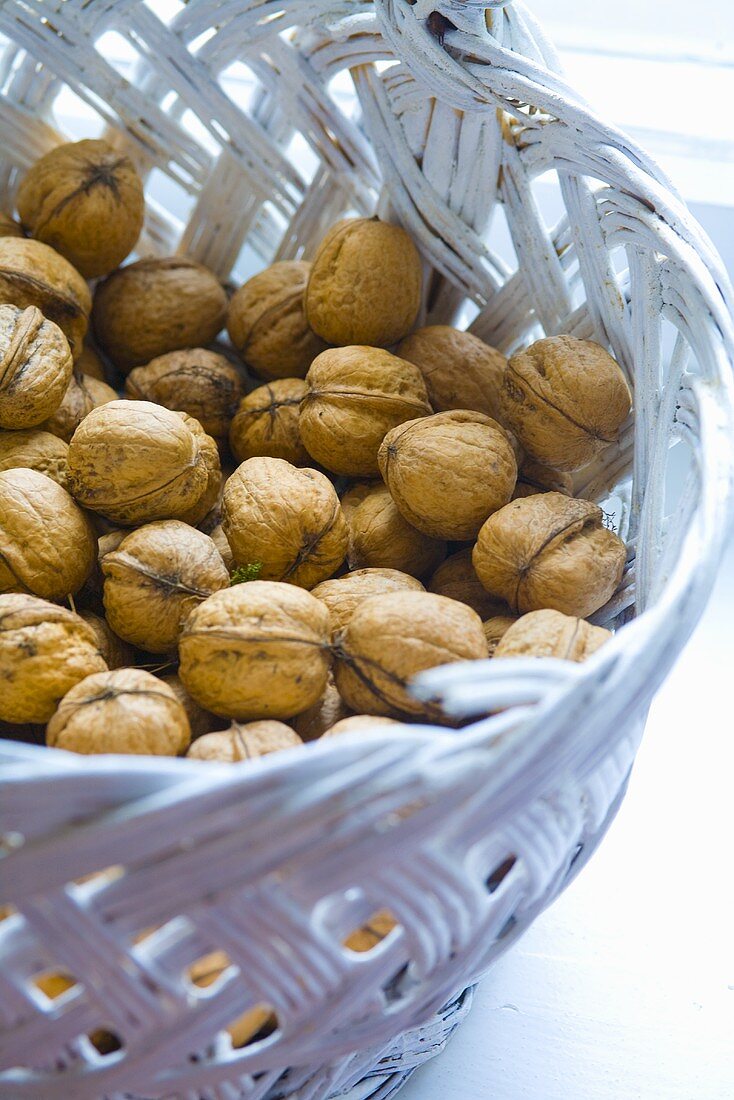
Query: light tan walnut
point(36, 450)
point(459, 369)
point(365, 284)
point(35, 366)
point(534, 478)
point(356, 395)
point(356, 493)
point(286, 518)
point(325, 712)
point(32, 274)
point(135, 462)
point(85, 200)
point(201, 383)
point(495, 629)
point(81, 396)
point(200, 721)
point(155, 578)
point(447, 473)
point(244, 741)
point(258, 650)
point(47, 545)
point(371, 723)
point(267, 323)
point(124, 711)
point(44, 650)
point(116, 653)
point(551, 634)
point(565, 399)
point(219, 539)
point(390, 639)
point(205, 509)
point(550, 551)
point(155, 306)
point(266, 423)
point(380, 538)
point(457, 579)
point(343, 595)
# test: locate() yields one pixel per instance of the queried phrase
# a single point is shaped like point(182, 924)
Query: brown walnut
point(116, 653)
point(380, 538)
point(371, 723)
point(201, 383)
point(459, 369)
point(34, 449)
point(551, 634)
point(343, 595)
point(81, 396)
point(495, 629)
point(457, 579)
point(32, 274)
point(244, 741)
point(266, 423)
point(533, 478)
point(312, 723)
point(35, 367)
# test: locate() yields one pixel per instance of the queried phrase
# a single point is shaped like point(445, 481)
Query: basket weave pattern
point(465, 837)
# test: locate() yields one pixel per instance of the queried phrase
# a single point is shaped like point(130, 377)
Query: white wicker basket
point(465, 836)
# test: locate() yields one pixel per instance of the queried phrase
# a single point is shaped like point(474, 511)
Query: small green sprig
point(243, 573)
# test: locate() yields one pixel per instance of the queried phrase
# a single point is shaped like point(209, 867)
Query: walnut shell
point(86, 201)
point(550, 551)
point(258, 650)
point(44, 651)
point(365, 284)
point(343, 595)
point(200, 721)
point(447, 473)
point(359, 722)
point(117, 654)
point(124, 711)
point(36, 450)
point(244, 742)
point(390, 639)
point(459, 369)
point(201, 383)
point(356, 395)
point(565, 399)
point(495, 629)
point(310, 724)
point(207, 504)
point(89, 363)
point(155, 306)
point(287, 518)
point(356, 493)
point(457, 579)
point(219, 539)
point(380, 538)
point(81, 396)
point(35, 367)
point(534, 477)
point(266, 423)
point(155, 578)
point(134, 462)
point(551, 634)
point(267, 323)
point(32, 274)
point(47, 545)
point(9, 227)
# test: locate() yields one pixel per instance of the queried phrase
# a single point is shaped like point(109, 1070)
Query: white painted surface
point(624, 989)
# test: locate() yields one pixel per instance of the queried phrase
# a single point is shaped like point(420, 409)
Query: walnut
point(32, 274)
point(365, 284)
point(550, 551)
point(35, 367)
point(267, 324)
point(36, 450)
point(551, 634)
point(44, 651)
point(124, 711)
point(266, 423)
point(356, 493)
point(207, 504)
point(534, 477)
point(447, 473)
point(89, 363)
point(356, 395)
point(201, 383)
point(219, 539)
point(244, 742)
point(47, 545)
point(155, 306)
point(200, 721)
point(343, 595)
point(380, 538)
point(457, 579)
point(116, 653)
point(9, 227)
point(390, 639)
point(459, 369)
point(288, 519)
point(258, 650)
point(565, 399)
point(155, 578)
point(325, 712)
point(86, 201)
point(82, 395)
point(372, 723)
point(495, 629)
point(134, 462)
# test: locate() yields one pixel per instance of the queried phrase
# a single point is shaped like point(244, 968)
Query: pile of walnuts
point(227, 548)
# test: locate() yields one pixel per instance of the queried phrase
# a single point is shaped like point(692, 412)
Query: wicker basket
point(464, 836)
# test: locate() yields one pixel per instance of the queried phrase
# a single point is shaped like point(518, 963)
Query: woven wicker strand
point(456, 110)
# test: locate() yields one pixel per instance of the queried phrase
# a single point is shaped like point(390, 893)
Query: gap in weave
point(75, 117)
point(240, 84)
point(118, 52)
